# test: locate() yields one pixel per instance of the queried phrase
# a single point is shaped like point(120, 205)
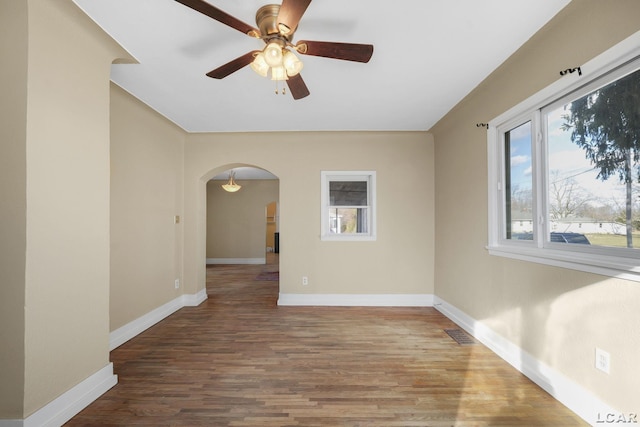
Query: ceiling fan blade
point(297, 87)
point(232, 66)
point(345, 51)
point(290, 13)
point(221, 16)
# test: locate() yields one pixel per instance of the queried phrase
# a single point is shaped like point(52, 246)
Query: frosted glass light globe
point(273, 54)
point(291, 63)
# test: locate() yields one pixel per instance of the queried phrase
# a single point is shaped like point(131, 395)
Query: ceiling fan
point(276, 26)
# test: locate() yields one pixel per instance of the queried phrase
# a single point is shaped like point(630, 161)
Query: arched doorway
point(241, 225)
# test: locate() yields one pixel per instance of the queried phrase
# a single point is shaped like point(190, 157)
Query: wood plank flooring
point(240, 360)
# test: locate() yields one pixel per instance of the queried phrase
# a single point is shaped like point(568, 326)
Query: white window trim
point(606, 261)
point(327, 176)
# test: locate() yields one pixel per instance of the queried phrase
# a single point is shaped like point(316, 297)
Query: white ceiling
point(428, 54)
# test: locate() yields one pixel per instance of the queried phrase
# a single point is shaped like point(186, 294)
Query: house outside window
point(566, 163)
point(348, 205)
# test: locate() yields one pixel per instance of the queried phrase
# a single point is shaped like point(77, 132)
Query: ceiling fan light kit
point(276, 26)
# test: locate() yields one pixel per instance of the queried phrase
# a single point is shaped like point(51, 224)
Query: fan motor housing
point(267, 21)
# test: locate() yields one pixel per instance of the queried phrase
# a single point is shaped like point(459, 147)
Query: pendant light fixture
point(231, 186)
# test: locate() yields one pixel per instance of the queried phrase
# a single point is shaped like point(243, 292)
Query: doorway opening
point(242, 227)
point(273, 233)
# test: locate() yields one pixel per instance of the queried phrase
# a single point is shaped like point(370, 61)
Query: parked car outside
point(557, 237)
point(570, 238)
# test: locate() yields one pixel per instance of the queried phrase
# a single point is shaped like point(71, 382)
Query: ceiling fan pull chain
point(284, 89)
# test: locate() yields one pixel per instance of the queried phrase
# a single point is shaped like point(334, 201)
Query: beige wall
point(58, 146)
point(146, 195)
point(13, 127)
point(67, 258)
point(559, 316)
point(400, 261)
point(236, 222)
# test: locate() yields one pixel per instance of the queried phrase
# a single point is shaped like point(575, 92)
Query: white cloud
point(521, 132)
point(572, 164)
point(519, 160)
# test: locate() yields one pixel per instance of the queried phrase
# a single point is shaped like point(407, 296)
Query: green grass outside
point(614, 240)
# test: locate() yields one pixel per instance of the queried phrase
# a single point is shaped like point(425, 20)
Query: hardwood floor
point(240, 360)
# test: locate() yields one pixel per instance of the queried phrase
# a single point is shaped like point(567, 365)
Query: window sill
point(605, 265)
point(347, 238)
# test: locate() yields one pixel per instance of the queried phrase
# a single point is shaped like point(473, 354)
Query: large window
point(348, 209)
point(564, 171)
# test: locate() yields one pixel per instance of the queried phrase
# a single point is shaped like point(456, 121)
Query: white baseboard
point(64, 407)
point(141, 324)
point(579, 400)
point(194, 300)
point(236, 260)
point(358, 300)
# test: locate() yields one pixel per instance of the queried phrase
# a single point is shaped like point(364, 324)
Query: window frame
point(367, 176)
point(615, 262)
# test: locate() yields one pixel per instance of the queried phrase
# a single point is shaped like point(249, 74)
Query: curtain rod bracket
point(571, 70)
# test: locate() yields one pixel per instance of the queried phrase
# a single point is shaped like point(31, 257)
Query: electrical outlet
point(603, 360)
point(305, 280)
point(177, 284)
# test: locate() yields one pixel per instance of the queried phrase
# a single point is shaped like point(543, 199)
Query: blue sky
point(565, 157)
point(521, 157)
point(569, 159)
